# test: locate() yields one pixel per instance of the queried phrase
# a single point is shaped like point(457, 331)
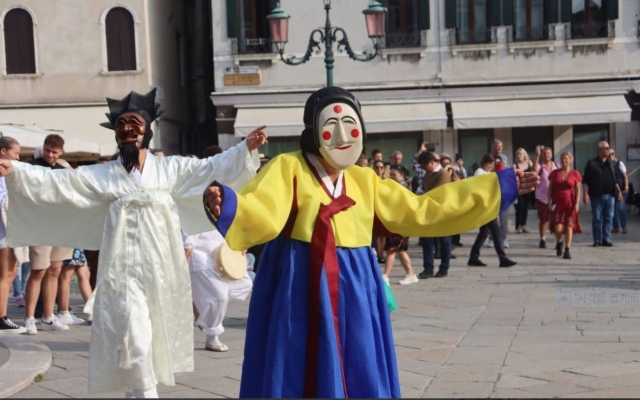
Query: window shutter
point(450, 14)
point(612, 9)
point(551, 14)
point(232, 18)
point(494, 12)
point(424, 15)
point(507, 13)
point(18, 41)
point(565, 11)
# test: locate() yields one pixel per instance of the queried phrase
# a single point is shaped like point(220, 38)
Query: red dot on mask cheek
point(355, 133)
point(326, 135)
point(337, 109)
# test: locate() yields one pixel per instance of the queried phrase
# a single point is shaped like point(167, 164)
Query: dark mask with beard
point(129, 151)
point(146, 107)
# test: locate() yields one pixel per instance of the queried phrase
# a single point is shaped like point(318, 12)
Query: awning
point(540, 112)
point(281, 121)
point(379, 118)
point(75, 147)
point(78, 125)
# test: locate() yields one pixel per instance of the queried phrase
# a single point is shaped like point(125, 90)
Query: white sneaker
point(385, 278)
point(89, 319)
point(30, 326)
point(505, 244)
point(53, 324)
point(69, 318)
point(490, 243)
point(409, 279)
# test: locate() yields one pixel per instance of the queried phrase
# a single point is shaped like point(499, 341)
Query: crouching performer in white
point(212, 289)
point(142, 332)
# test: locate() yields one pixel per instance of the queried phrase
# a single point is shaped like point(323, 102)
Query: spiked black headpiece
point(144, 105)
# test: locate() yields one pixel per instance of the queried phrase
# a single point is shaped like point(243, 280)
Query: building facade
point(457, 73)
point(59, 60)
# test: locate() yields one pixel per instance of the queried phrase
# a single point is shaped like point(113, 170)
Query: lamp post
point(279, 27)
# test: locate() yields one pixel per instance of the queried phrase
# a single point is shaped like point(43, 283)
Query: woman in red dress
point(564, 192)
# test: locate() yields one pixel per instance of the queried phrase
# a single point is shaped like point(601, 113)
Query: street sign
point(239, 76)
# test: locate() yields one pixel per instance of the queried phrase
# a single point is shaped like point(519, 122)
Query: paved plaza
point(545, 328)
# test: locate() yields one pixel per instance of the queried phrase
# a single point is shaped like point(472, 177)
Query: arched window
point(121, 40)
point(18, 42)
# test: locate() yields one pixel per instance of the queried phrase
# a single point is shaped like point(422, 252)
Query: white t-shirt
point(623, 168)
point(480, 171)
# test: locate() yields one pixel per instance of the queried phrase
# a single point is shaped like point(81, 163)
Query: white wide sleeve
point(234, 168)
point(55, 207)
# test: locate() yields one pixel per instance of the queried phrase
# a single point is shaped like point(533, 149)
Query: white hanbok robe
point(142, 330)
point(211, 292)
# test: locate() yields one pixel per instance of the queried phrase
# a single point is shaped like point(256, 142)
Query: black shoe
point(476, 263)
point(382, 260)
point(606, 244)
point(425, 274)
point(442, 273)
point(8, 327)
point(559, 248)
point(542, 244)
point(437, 256)
point(567, 254)
point(453, 256)
point(595, 244)
point(459, 244)
point(506, 263)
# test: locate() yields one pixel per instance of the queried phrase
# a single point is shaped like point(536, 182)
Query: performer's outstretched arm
point(259, 212)
point(50, 199)
point(447, 210)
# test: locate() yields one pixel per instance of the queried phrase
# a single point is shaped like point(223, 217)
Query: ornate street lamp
point(374, 18)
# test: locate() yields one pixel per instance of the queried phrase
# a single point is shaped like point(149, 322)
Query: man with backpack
point(620, 211)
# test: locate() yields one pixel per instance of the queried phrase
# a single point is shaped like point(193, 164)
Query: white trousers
point(211, 295)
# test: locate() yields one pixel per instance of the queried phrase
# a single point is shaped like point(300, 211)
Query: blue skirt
point(275, 348)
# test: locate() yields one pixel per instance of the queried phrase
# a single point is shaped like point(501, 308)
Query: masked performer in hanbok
point(142, 332)
point(318, 319)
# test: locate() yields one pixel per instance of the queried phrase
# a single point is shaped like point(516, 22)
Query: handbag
point(391, 299)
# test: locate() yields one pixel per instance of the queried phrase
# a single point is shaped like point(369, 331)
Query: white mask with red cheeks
point(340, 135)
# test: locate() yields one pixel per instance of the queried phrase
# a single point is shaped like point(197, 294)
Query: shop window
point(472, 145)
point(405, 142)
point(585, 142)
point(530, 137)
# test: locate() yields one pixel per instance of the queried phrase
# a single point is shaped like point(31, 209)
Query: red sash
point(323, 251)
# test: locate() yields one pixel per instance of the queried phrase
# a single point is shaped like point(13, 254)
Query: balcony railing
point(253, 46)
point(606, 29)
point(404, 39)
point(461, 36)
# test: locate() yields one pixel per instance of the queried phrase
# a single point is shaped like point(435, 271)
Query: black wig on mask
point(310, 138)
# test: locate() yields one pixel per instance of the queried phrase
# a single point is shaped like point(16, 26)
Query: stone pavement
point(535, 330)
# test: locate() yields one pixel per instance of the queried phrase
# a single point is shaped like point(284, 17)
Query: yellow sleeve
point(447, 210)
point(257, 213)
